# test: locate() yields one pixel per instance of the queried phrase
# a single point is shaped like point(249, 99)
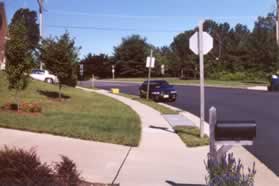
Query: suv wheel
point(49, 80)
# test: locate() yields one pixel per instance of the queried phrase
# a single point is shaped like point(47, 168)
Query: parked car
point(159, 90)
point(43, 75)
point(274, 83)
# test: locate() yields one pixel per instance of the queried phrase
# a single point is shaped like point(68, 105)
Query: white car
point(43, 75)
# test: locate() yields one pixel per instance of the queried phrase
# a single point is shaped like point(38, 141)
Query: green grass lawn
point(162, 109)
point(218, 83)
point(83, 115)
point(191, 136)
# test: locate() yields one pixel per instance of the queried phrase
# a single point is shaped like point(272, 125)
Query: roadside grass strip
point(191, 136)
point(160, 108)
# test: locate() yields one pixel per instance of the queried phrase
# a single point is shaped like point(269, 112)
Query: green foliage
point(81, 114)
point(20, 49)
point(185, 62)
point(60, 57)
point(130, 56)
point(67, 172)
point(29, 19)
point(21, 167)
point(191, 136)
point(99, 65)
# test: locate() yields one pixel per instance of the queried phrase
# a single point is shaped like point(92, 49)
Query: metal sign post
point(81, 70)
point(150, 63)
point(201, 79)
point(162, 70)
point(93, 81)
point(113, 71)
point(201, 43)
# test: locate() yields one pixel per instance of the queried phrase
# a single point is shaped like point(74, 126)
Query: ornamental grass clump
point(229, 172)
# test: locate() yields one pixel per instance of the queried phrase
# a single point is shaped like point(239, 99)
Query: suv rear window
point(38, 72)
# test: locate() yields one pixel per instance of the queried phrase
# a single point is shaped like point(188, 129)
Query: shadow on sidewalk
point(161, 128)
point(181, 184)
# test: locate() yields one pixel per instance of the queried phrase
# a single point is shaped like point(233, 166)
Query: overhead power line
point(112, 29)
point(62, 12)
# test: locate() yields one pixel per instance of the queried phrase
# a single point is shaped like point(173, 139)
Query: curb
point(240, 149)
point(195, 119)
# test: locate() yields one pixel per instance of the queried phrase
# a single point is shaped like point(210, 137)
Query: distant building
point(3, 35)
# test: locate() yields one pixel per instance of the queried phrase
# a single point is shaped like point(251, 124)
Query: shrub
point(25, 107)
point(20, 167)
point(229, 172)
point(10, 106)
point(67, 172)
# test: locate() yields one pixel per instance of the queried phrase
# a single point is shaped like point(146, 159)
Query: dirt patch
point(34, 114)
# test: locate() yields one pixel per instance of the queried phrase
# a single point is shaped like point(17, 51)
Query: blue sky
point(100, 24)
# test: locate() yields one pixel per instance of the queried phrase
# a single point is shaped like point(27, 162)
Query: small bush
point(237, 76)
point(67, 173)
point(20, 167)
point(30, 107)
point(9, 106)
point(24, 107)
point(229, 172)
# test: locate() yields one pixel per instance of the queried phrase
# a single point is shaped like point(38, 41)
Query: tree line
point(238, 54)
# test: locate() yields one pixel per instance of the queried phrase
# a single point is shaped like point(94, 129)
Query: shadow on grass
point(52, 94)
point(181, 184)
point(256, 82)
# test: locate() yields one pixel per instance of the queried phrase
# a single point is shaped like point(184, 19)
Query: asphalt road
point(231, 104)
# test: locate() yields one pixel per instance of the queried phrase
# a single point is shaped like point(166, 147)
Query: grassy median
point(160, 108)
point(81, 114)
point(191, 136)
point(213, 83)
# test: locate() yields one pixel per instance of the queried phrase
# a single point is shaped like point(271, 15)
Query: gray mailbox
point(226, 134)
point(235, 130)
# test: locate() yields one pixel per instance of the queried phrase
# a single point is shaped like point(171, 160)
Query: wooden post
point(212, 123)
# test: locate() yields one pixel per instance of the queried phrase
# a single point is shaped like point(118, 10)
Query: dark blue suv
point(159, 90)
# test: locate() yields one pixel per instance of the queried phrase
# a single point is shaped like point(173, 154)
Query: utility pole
point(41, 7)
point(149, 74)
point(201, 53)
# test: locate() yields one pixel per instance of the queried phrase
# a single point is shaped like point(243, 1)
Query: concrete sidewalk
point(162, 159)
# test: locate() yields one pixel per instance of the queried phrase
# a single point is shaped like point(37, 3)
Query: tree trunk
point(17, 100)
point(60, 87)
point(182, 73)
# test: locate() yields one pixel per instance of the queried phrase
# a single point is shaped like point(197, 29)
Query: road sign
point(150, 63)
point(163, 69)
point(207, 43)
point(81, 69)
point(201, 43)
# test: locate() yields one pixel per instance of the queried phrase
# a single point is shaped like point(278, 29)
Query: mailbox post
point(228, 134)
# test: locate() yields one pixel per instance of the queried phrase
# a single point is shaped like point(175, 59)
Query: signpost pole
point(200, 46)
point(113, 72)
point(149, 74)
point(93, 81)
